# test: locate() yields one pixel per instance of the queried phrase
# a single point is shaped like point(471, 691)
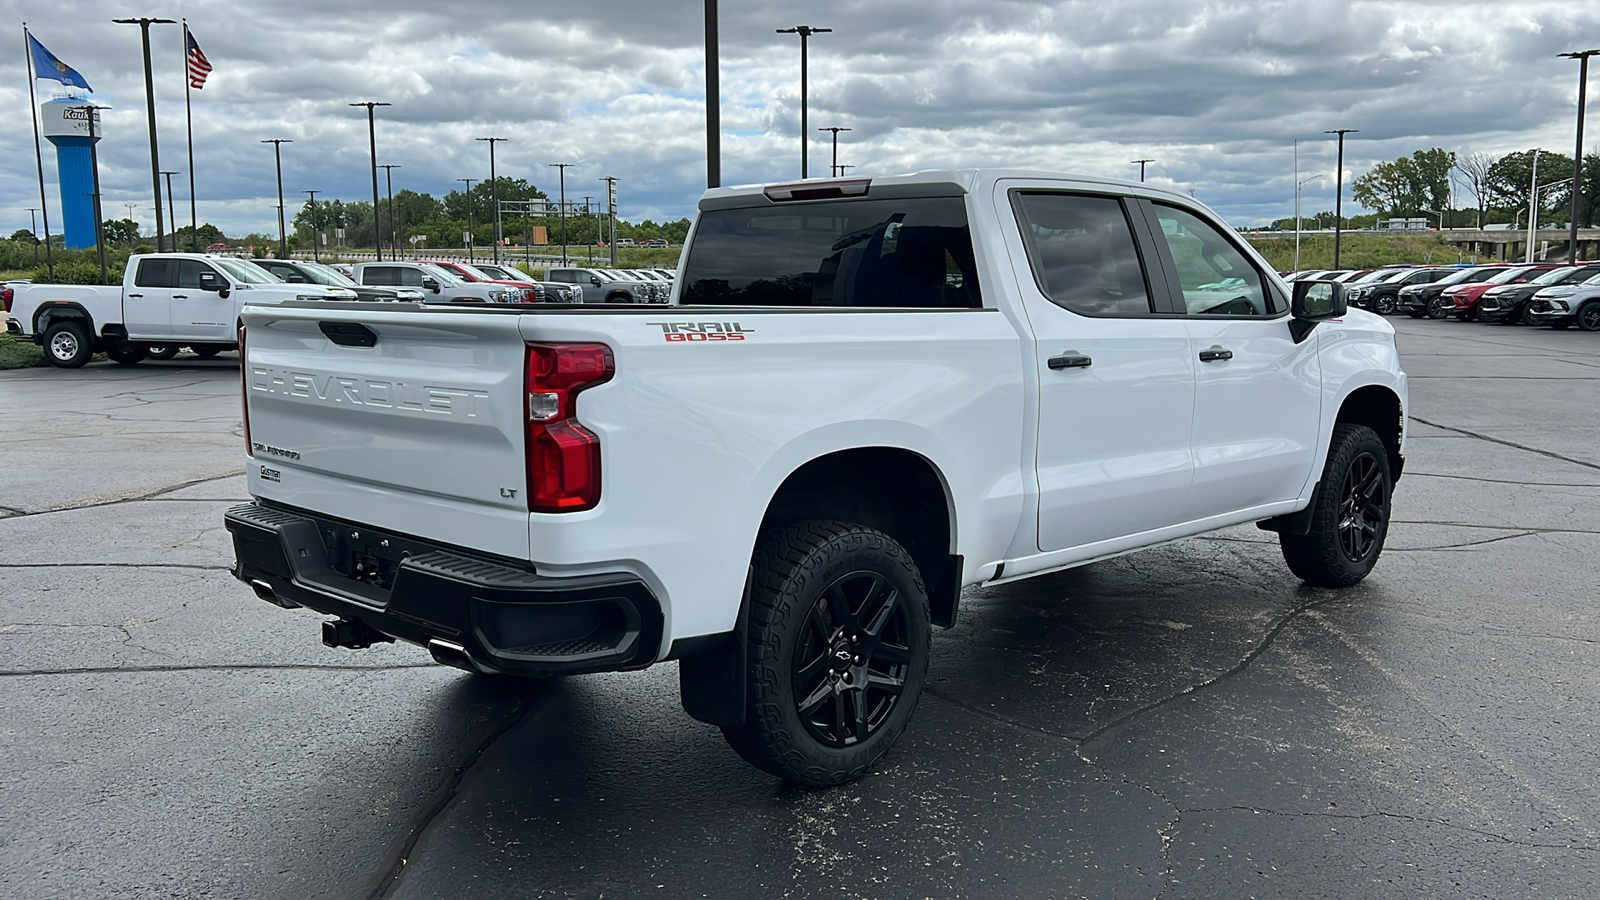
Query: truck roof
point(940, 181)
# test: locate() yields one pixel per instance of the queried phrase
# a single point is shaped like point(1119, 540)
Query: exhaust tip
point(448, 654)
point(265, 592)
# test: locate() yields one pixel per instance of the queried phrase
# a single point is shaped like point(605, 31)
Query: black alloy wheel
point(850, 668)
point(1385, 304)
point(1349, 514)
point(1364, 507)
point(1589, 316)
point(1437, 308)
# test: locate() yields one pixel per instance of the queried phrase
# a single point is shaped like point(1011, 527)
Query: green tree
point(1510, 178)
point(23, 235)
point(119, 232)
point(208, 234)
point(1409, 185)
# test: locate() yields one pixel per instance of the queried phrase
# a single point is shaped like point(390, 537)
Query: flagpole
point(188, 122)
point(38, 153)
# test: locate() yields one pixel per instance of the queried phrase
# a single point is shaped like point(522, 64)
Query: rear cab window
point(905, 253)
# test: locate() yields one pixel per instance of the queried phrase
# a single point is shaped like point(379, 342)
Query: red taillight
point(563, 456)
point(244, 394)
point(5, 299)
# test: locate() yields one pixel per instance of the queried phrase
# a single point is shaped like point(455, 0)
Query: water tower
point(65, 121)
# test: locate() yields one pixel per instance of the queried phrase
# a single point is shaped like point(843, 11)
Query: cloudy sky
point(1216, 93)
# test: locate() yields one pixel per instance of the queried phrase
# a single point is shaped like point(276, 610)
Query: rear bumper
point(471, 612)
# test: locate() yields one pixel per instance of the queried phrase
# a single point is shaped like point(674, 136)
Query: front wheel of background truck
point(1350, 518)
point(67, 344)
point(837, 651)
point(205, 351)
point(125, 353)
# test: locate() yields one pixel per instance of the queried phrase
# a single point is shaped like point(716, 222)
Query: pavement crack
point(1563, 484)
point(218, 667)
point(1401, 817)
point(1505, 443)
point(115, 565)
point(1464, 544)
point(151, 495)
point(399, 856)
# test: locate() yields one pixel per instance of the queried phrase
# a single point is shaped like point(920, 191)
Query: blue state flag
point(45, 65)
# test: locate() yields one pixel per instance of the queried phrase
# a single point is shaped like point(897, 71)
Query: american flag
point(199, 66)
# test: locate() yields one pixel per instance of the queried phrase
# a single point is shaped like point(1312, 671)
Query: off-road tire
point(1351, 517)
point(205, 351)
point(162, 351)
point(67, 344)
point(805, 579)
point(127, 354)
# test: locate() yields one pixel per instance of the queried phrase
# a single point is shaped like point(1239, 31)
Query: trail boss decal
point(703, 331)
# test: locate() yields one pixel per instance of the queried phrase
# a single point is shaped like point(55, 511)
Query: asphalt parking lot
point(1189, 722)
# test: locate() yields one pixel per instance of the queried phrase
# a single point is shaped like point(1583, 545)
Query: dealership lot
point(1188, 722)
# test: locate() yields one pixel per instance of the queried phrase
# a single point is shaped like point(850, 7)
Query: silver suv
point(608, 286)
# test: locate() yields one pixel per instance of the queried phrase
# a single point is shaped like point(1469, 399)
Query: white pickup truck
point(866, 395)
point(166, 299)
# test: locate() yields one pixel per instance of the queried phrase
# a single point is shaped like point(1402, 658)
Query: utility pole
point(713, 107)
point(563, 167)
point(316, 232)
point(611, 214)
point(144, 24)
point(1582, 57)
point(1533, 203)
point(805, 32)
point(494, 194)
point(470, 238)
point(171, 215)
point(1141, 163)
point(91, 113)
point(277, 159)
point(833, 170)
point(33, 229)
point(1338, 196)
point(388, 185)
point(372, 144)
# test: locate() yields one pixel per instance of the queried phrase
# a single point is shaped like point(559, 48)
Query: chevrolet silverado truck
point(166, 300)
point(864, 396)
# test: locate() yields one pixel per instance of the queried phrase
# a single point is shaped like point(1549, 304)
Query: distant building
point(1404, 225)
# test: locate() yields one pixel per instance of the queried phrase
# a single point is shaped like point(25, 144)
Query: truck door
point(147, 303)
point(1116, 379)
point(1258, 394)
point(198, 314)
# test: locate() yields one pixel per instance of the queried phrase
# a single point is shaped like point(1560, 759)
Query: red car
point(1461, 300)
point(472, 273)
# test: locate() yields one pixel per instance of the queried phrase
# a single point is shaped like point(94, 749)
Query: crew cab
point(866, 395)
point(437, 285)
point(166, 299)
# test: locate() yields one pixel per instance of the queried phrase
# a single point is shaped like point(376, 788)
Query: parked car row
point(1500, 293)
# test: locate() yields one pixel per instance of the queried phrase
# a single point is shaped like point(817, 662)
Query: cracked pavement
point(1187, 722)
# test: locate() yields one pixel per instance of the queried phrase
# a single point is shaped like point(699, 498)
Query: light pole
point(494, 194)
point(713, 107)
point(33, 229)
point(91, 112)
point(1582, 57)
point(805, 32)
point(388, 186)
point(277, 159)
point(316, 233)
point(372, 145)
point(1338, 196)
point(1141, 163)
point(1533, 203)
point(833, 170)
point(468, 195)
point(1437, 213)
point(611, 213)
point(562, 209)
point(1297, 186)
point(144, 23)
point(171, 215)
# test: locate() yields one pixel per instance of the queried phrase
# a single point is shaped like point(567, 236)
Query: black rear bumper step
point(502, 618)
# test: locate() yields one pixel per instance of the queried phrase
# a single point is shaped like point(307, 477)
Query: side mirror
point(1313, 302)
point(210, 282)
point(431, 284)
point(594, 280)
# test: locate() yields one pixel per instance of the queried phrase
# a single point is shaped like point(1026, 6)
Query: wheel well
point(45, 315)
point(1377, 408)
point(895, 491)
point(619, 297)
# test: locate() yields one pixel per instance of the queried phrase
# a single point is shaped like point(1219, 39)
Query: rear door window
point(913, 253)
point(156, 273)
point(1216, 277)
point(1083, 255)
point(380, 275)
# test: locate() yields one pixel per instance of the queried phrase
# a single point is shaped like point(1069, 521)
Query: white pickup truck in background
point(166, 299)
point(866, 395)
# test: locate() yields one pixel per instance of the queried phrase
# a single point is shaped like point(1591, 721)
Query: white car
point(869, 394)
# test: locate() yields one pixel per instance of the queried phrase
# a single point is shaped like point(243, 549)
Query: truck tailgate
point(421, 432)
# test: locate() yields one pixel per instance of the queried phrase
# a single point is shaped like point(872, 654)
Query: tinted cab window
point(904, 253)
point(1082, 253)
point(1215, 276)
